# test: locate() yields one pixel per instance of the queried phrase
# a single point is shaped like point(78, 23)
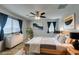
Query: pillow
point(57, 36)
point(62, 39)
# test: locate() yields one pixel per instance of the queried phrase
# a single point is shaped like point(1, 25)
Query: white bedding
point(36, 41)
point(43, 40)
point(34, 45)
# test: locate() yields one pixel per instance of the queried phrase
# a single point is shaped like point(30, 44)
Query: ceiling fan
point(38, 14)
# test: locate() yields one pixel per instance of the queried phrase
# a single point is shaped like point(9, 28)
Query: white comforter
point(36, 41)
point(43, 40)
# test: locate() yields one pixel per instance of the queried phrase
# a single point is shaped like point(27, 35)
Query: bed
point(44, 45)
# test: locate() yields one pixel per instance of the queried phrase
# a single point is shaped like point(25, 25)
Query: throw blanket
point(34, 45)
point(34, 48)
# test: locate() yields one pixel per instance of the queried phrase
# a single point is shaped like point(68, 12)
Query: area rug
point(13, 50)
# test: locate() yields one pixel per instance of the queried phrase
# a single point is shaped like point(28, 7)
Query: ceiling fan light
point(37, 17)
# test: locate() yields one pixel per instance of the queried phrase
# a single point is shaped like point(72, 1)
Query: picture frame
point(69, 22)
point(38, 25)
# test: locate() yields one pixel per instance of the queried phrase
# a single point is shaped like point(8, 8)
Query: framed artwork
point(37, 26)
point(69, 22)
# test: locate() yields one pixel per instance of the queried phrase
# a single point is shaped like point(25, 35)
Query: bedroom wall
point(65, 12)
point(43, 22)
point(26, 22)
point(70, 11)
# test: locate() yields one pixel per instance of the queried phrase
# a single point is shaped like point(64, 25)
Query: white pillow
point(62, 39)
point(57, 36)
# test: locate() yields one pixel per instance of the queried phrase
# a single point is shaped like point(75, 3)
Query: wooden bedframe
point(47, 50)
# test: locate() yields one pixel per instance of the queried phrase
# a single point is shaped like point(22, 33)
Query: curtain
point(51, 28)
point(3, 19)
point(48, 26)
point(54, 24)
point(20, 25)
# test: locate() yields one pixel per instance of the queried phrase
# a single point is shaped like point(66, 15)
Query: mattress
point(45, 44)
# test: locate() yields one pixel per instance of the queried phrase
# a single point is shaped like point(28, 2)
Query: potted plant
point(29, 33)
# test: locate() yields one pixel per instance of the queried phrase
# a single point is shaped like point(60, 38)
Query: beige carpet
point(13, 50)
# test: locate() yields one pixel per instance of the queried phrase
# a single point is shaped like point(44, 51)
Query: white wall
point(43, 22)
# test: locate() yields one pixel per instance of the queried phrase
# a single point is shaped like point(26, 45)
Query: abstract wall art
point(69, 22)
point(37, 26)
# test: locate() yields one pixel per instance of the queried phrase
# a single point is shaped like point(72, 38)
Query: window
point(0, 28)
point(51, 28)
point(7, 28)
point(11, 26)
point(16, 27)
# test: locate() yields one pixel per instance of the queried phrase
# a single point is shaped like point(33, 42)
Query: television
point(75, 36)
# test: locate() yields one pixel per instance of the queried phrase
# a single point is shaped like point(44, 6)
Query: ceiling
point(23, 10)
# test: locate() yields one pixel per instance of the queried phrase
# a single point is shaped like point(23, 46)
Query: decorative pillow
point(57, 36)
point(62, 39)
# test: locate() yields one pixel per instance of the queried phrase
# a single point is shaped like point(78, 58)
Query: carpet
point(12, 51)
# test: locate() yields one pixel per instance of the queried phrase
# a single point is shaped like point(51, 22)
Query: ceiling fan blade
point(32, 13)
point(30, 16)
point(43, 16)
point(43, 13)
